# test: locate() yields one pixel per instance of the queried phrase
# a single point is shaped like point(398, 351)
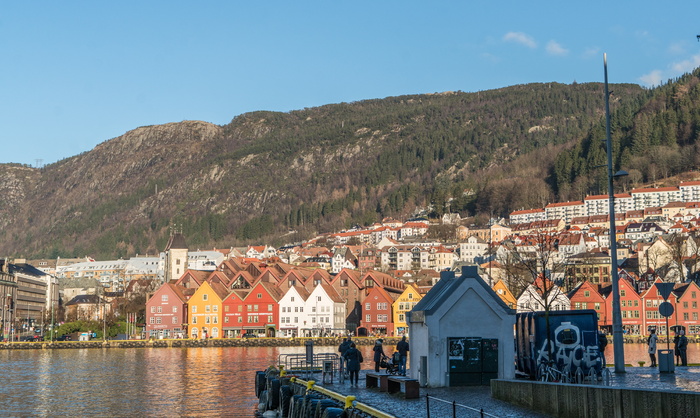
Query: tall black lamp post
point(618, 348)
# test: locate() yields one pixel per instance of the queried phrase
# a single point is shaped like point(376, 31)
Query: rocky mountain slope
point(308, 171)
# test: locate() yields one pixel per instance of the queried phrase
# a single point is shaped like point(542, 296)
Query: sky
point(74, 74)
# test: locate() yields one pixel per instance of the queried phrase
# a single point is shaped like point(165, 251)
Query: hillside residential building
point(600, 204)
point(651, 197)
point(473, 250)
point(690, 191)
point(564, 210)
point(527, 216)
point(531, 299)
point(505, 294)
point(404, 257)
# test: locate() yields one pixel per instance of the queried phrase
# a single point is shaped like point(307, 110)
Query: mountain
point(279, 177)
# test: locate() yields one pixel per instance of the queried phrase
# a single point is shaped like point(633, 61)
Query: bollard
point(427, 405)
point(454, 409)
point(348, 401)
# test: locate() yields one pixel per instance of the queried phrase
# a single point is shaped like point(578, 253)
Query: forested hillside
point(655, 136)
point(281, 177)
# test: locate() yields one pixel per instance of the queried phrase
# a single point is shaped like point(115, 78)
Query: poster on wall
point(455, 348)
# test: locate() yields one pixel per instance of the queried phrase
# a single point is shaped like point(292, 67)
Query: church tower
point(175, 257)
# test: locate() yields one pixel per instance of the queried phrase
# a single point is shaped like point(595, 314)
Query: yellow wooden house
point(404, 303)
point(205, 310)
point(505, 294)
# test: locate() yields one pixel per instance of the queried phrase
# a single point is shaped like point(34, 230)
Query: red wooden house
point(652, 317)
point(377, 318)
point(686, 309)
point(630, 308)
point(260, 310)
point(586, 296)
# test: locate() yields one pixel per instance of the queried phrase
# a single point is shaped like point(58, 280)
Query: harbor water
point(210, 381)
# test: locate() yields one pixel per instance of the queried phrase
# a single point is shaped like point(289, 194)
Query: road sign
point(664, 289)
point(665, 309)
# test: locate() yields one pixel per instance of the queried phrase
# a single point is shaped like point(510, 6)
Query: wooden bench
point(375, 380)
point(411, 386)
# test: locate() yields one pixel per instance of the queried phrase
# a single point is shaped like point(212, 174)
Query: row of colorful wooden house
point(639, 310)
point(248, 297)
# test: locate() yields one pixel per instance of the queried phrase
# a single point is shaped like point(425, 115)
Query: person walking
point(378, 354)
point(651, 341)
point(353, 356)
point(343, 348)
point(676, 351)
point(402, 348)
point(683, 347)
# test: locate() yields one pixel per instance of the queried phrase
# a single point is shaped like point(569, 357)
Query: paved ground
point(478, 397)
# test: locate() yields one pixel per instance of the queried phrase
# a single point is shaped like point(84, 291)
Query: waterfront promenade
point(685, 379)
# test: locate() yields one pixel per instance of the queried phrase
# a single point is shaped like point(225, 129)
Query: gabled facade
point(262, 310)
point(293, 313)
point(166, 312)
point(404, 303)
point(205, 311)
point(586, 296)
point(348, 284)
point(505, 294)
point(234, 313)
point(326, 310)
point(376, 312)
point(687, 310)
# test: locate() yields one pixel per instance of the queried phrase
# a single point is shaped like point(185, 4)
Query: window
point(160, 309)
point(597, 306)
point(410, 295)
point(249, 308)
point(270, 319)
point(685, 304)
point(153, 309)
point(215, 308)
point(226, 319)
point(255, 308)
point(240, 319)
point(207, 320)
point(686, 316)
point(207, 308)
point(269, 308)
point(194, 308)
point(368, 318)
point(194, 319)
point(226, 308)
point(174, 309)
point(174, 319)
point(215, 320)
point(292, 298)
point(622, 292)
point(205, 297)
point(259, 295)
point(240, 308)
point(152, 320)
point(368, 306)
point(587, 293)
point(401, 318)
point(164, 298)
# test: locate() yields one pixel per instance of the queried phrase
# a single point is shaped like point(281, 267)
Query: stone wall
point(569, 400)
point(212, 342)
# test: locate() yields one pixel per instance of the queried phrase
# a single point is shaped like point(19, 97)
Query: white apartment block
point(690, 191)
point(655, 197)
point(564, 210)
point(600, 204)
point(527, 216)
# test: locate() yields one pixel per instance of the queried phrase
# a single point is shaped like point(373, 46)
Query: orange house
point(205, 310)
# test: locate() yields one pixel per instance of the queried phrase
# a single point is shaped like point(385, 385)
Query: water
point(211, 381)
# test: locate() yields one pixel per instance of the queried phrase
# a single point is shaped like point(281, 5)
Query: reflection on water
point(128, 382)
point(158, 381)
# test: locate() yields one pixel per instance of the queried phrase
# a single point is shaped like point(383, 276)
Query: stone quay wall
point(184, 343)
point(570, 400)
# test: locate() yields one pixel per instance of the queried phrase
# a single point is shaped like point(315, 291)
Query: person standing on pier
point(344, 347)
point(651, 341)
point(682, 347)
point(353, 356)
point(378, 354)
point(402, 348)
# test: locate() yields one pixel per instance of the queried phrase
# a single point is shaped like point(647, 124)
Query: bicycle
point(549, 372)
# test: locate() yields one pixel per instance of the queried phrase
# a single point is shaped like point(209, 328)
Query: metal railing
point(454, 405)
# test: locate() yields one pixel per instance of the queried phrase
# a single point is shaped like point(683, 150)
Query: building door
point(472, 361)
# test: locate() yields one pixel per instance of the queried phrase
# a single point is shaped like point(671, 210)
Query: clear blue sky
point(76, 73)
